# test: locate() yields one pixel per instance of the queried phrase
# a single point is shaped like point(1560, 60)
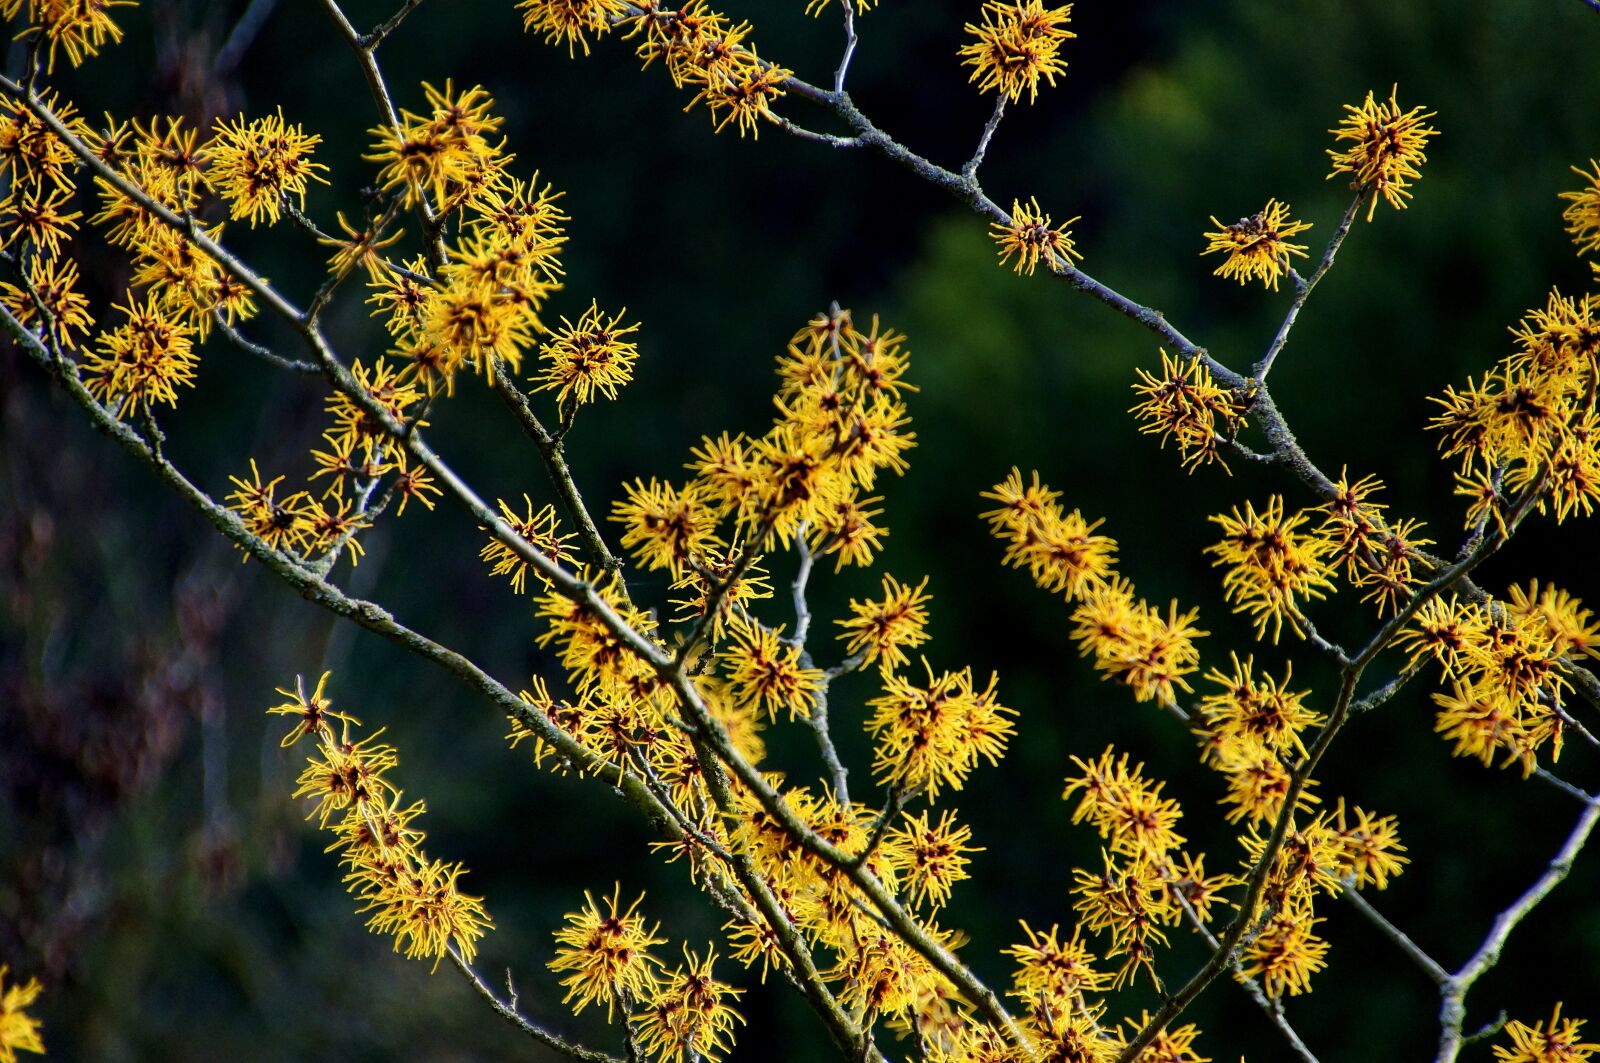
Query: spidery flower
point(1126, 809)
point(1257, 247)
point(1272, 565)
point(278, 522)
point(607, 953)
point(1185, 404)
point(446, 154)
point(690, 1015)
point(589, 359)
point(1255, 709)
point(36, 217)
point(19, 1031)
point(882, 630)
point(569, 21)
point(765, 671)
point(1129, 902)
point(66, 309)
point(256, 165)
point(929, 858)
point(667, 527)
point(540, 531)
point(1554, 1042)
point(1055, 971)
point(932, 736)
point(1384, 149)
point(1174, 1044)
point(1017, 45)
point(1285, 954)
point(78, 27)
point(1582, 214)
point(1031, 239)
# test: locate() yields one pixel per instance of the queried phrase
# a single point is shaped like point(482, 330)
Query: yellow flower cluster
point(1257, 247)
point(1528, 425)
point(1132, 642)
point(1031, 238)
point(360, 453)
point(1384, 148)
point(479, 306)
point(1582, 213)
point(539, 530)
point(841, 422)
point(78, 27)
point(702, 50)
point(257, 165)
point(1554, 1042)
point(1136, 893)
point(1250, 725)
point(1274, 563)
point(1185, 404)
point(1504, 664)
point(933, 735)
point(409, 896)
point(19, 1031)
point(1250, 728)
point(883, 630)
point(1378, 557)
point(1017, 45)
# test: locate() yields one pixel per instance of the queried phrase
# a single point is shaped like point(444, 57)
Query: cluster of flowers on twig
point(846, 898)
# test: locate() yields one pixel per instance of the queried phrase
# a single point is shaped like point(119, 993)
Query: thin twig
point(1303, 289)
point(1413, 951)
point(1544, 775)
point(257, 350)
point(1452, 1008)
point(850, 42)
point(1250, 985)
point(507, 1010)
point(370, 41)
point(970, 170)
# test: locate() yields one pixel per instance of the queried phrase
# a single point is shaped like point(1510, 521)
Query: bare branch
point(1303, 289)
point(507, 1010)
point(1413, 951)
point(1452, 1010)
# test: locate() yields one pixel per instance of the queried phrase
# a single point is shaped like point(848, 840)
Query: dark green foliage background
point(206, 922)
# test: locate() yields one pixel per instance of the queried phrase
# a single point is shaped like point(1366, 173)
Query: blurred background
point(156, 875)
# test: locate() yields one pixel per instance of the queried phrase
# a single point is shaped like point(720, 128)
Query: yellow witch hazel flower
point(883, 630)
point(1385, 149)
point(570, 21)
point(1017, 46)
point(76, 27)
point(1031, 239)
point(1273, 566)
point(1554, 1042)
point(1582, 214)
point(19, 1031)
point(405, 894)
point(589, 359)
point(1185, 404)
point(690, 1014)
point(540, 530)
point(607, 953)
point(256, 165)
point(1257, 247)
